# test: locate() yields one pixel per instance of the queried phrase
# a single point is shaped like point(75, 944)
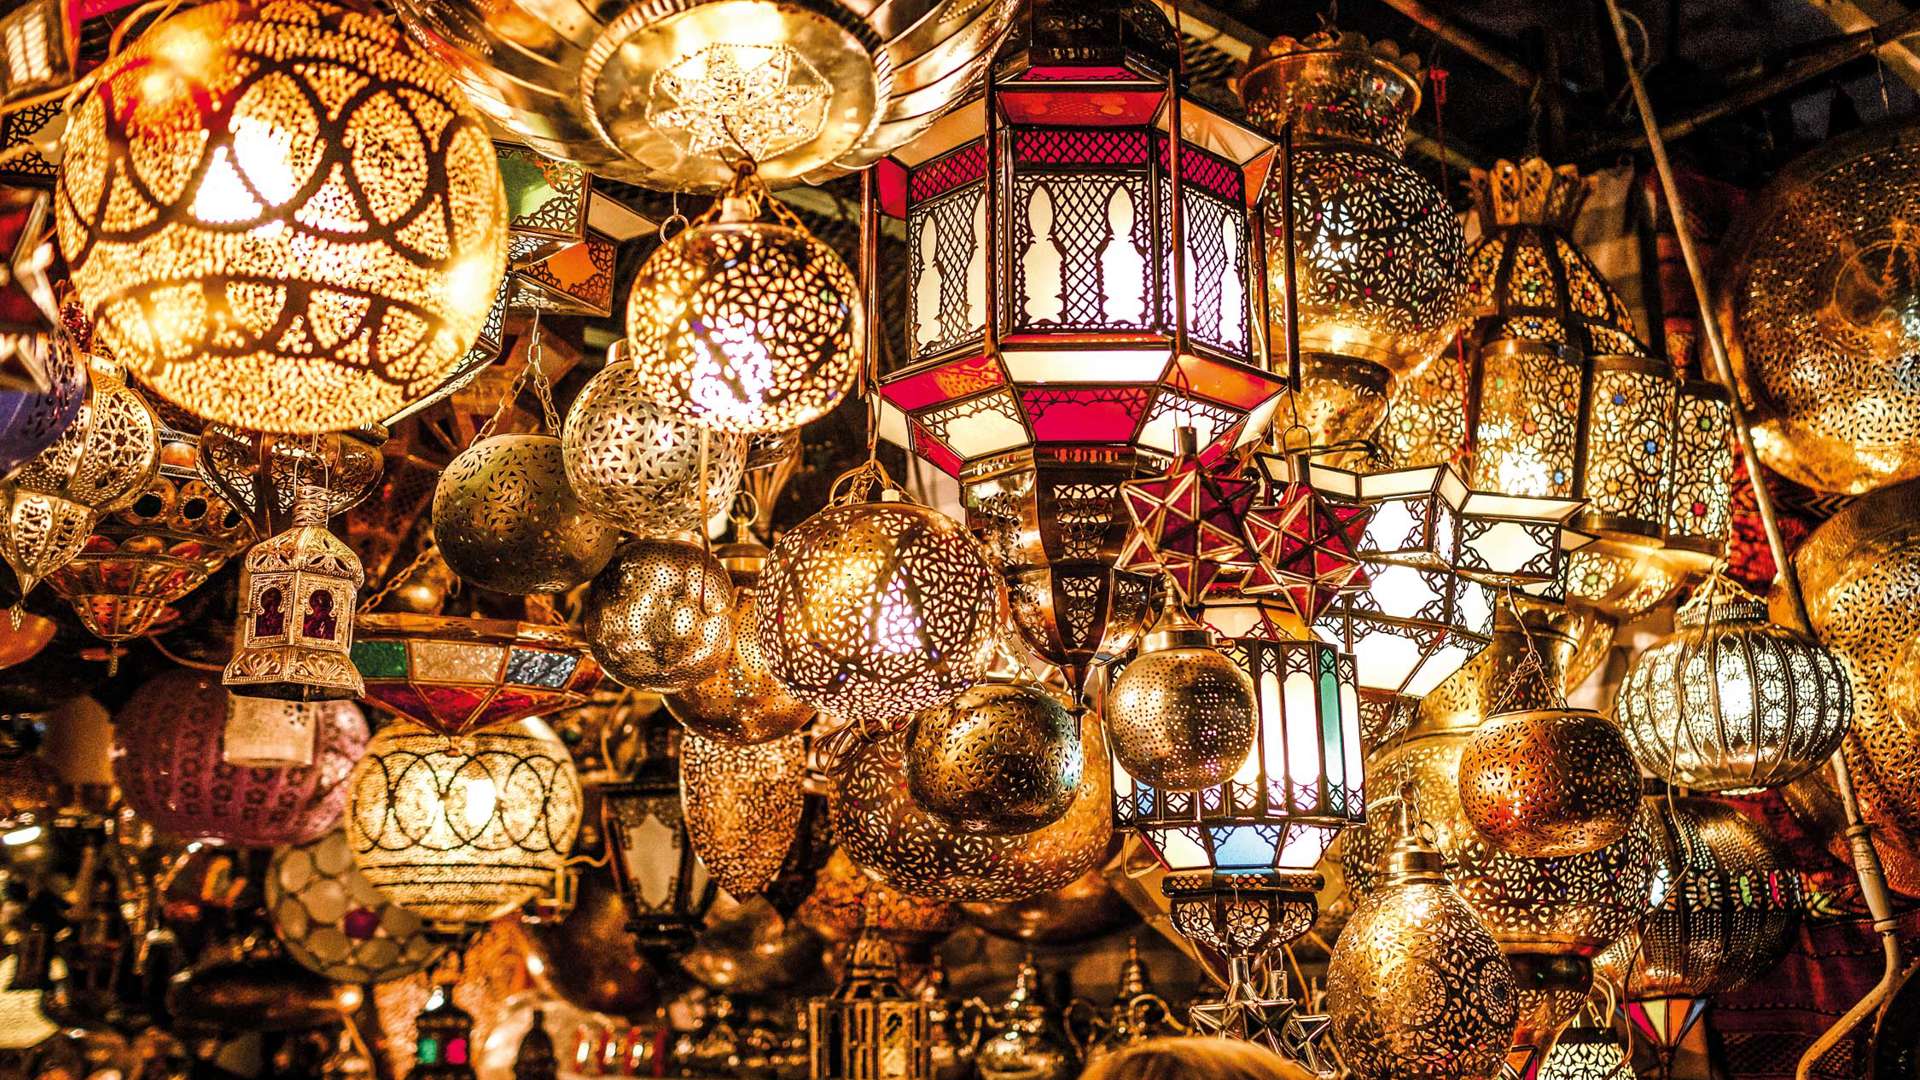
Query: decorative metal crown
point(1530, 193)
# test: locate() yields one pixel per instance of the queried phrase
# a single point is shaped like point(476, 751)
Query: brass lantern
point(666, 887)
point(505, 518)
point(1378, 252)
point(1732, 702)
point(1587, 1050)
point(261, 474)
point(298, 591)
point(455, 674)
point(869, 1029)
point(742, 703)
point(742, 806)
point(305, 268)
point(1045, 204)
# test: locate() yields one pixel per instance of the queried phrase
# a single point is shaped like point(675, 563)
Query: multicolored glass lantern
point(443, 1042)
point(169, 761)
point(870, 1029)
point(150, 553)
point(456, 675)
point(1300, 785)
point(298, 593)
point(1378, 251)
point(666, 886)
point(301, 268)
point(1119, 314)
point(463, 832)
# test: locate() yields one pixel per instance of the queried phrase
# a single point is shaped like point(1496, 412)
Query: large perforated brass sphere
point(746, 326)
point(333, 921)
point(1001, 758)
point(505, 518)
point(1860, 570)
point(873, 611)
point(882, 828)
point(1181, 715)
point(1549, 782)
point(636, 463)
point(1731, 701)
point(1417, 988)
point(660, 616)
point(463, 831)
point(743, 806)
point(1820, 306)
point(742, 703)
point(1726, 902)
point(282, 216)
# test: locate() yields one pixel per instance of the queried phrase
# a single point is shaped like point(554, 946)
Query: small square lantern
point(1300, 785)
point(869, 1029)
point(1046, 205)
point(298, 591)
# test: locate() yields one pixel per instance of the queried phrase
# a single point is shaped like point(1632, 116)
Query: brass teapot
point(1024, 1038)
point(1134, 1014)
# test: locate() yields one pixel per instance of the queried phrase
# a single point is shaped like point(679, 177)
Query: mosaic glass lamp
point(455, 674)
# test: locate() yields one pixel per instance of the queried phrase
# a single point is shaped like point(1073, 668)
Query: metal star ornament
point(1187, 522)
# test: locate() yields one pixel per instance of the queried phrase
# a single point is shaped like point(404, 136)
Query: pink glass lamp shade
point(168, 761)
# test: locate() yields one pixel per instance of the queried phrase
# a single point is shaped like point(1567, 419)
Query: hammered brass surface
point(505, 518)
point(1182, 718)
point(1549, 782)
point(660, 616)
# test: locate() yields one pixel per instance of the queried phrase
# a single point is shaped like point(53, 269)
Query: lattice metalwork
point(462, 832)
point(505, 518)
point(1814, 305)
point(1417, 987)
point(1549, 782)
point(881, 828)
point(298, 594)
point(1004, 757)
point(261, 473)
point(745, 325)
point(1182, 716)
point(742, 806)
point(1378, 250)
point(1527, 437)
point(1298, 787)
point(169, 765)
point(872, 611)
point(660, 616)
point(334, 922)
point(310, 283)
point(1731, 701)
point(1241, 915)
point(1700, 474)
point(742, 703)
point(946, 261)
point(102, 461)
point(637, 465)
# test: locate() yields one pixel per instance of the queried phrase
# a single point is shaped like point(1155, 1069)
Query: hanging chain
point(536, 369)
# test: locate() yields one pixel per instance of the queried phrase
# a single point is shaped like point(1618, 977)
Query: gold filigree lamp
point(301, 268)
point(742, 806)
point(742, 703)
point(505, 518)
point(298, 593)
point(1182, 715)
point(660, 616)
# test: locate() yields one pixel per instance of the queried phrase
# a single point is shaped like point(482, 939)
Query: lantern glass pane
point(1329, 718)
point(1525, 442)
point(1304, 846)
point(1089, 364)
point(1216, 273)
point(1303, 742)
point(1183, 850)
point(1080, 251)
point(456, 662)
point(977, 426)
point(1243, 848)
point(1630, 419)
point(947, 271)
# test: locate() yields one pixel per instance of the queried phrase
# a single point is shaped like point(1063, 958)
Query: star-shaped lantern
point(1304, 536)
point(1187, 523)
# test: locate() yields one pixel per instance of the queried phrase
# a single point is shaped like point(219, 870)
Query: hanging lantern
point(1305, 533)
point(149, 554)
point(170, 763)
point(261, 474)
point(1298, 787)
point(1378, 251)
point(873, 610)
point(1731, 701)
point(1587, 1050)
point(298, 592)
point(1189, 523)
point(1417, 988)
point(1181, 716)
point(879, 825)
point(587, 958)
point(742, 703)
point(670, 98)
point(443, 1039)
point(334, 922)
point(101, 462)
point(1815, 304)
point(666, 886)
point(1726, 901)
point(232, 290)
point(1549, 782)
point(869, 1029)
point(1550, 915)
point(456, 675)
point(1040, 203)
point(660, 616)
point(1004, 757)
point(505, 518)
point(743, 325)
point(637, 464)
point(742, 806)
point(1244, 917)
point(33, 415)
point(463, 831)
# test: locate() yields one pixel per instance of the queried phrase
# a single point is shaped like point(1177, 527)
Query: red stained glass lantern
point(1119, 315)
point(456, 675)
